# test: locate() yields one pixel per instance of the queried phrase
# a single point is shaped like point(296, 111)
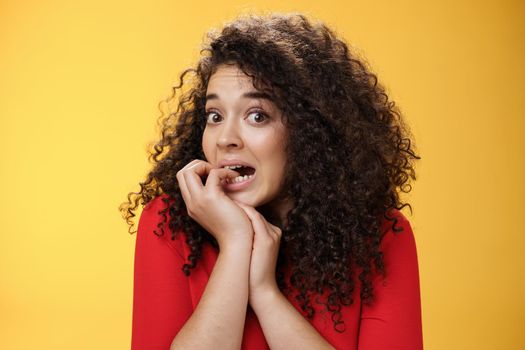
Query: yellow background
point(79, 87)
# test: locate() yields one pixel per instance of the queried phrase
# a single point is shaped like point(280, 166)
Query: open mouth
point(246, 173)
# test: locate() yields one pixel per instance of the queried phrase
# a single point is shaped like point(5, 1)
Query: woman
point(272, 212)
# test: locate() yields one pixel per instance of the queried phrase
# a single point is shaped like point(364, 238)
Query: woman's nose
point(229, 135)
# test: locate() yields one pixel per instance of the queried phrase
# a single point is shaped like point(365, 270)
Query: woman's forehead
point(229, 82)
point(228, 74)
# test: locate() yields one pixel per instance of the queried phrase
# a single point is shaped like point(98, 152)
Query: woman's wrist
point(263, 295)
point(239, 242)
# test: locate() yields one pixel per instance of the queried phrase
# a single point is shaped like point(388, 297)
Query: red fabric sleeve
point(161, 296)
point(393, 320)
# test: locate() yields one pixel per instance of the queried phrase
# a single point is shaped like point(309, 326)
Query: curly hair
point(345, 137)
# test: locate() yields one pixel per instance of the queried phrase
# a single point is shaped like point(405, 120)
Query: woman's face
point(244, 127)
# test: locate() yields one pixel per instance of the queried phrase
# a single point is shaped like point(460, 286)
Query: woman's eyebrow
point(251, 94)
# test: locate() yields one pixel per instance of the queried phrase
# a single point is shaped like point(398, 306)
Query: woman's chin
point(239, 197)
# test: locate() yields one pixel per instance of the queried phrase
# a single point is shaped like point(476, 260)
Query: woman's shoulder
point(156, 213)
point(397, 233)
point(394, 221)
point(159, 202)
point(154, 223)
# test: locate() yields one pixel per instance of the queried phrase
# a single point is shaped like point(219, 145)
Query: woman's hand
point(266, 241)
point(210, 206)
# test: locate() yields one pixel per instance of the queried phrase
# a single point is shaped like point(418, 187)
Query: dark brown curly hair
point(349, 153)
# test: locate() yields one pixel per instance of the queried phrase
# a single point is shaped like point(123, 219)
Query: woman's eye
point(212, 117)
point(258, 117)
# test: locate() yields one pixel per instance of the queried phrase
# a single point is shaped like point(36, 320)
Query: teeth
point(233, 166)
point(239, 179)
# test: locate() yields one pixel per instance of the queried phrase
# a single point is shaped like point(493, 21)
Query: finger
point(183, 187)
point(190, 164)
point(269, 227)
point(272, 229)
point(193, 182)
point(182, 180)
point(193, 173)
point(214, 180)
point(218, 175)
point(257, 220)
point(200, 167)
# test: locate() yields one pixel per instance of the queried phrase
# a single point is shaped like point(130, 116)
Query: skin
point(249, 129)
point(245, 128)
point(244, 272)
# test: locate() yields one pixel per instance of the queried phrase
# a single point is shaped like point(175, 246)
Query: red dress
point(164, 298)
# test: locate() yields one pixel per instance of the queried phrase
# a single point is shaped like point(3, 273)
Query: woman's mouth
point(239, 179)
point(240, 182)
